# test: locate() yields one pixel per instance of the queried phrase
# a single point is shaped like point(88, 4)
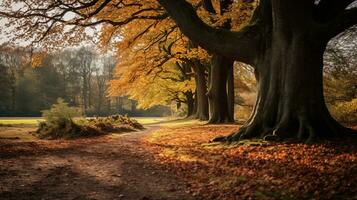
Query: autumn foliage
point(255, 169)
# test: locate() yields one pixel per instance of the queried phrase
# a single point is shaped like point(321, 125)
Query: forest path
point(99, 168)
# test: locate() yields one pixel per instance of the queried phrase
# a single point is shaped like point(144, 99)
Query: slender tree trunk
point(89, 91)
point(84, 94)
point(133, 105)
point(13, 99)
point(109, 104)
point(13, 91)
point(195, 104)
point(202, 112)
point(217, 92)
point(119, 104)
point(190, 103)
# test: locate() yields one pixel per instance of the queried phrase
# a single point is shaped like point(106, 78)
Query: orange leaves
point(255, 169)
point(37, 58)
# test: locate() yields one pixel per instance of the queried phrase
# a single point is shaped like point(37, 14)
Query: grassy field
point(163, 121)
point(19, 127)
point(36, 120)
point(20, 120)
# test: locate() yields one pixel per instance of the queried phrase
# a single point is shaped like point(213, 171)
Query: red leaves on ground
point(256, 170)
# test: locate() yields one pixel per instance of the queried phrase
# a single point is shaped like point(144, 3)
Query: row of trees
point(31, 82)
point(283, 41)
point(176, 68)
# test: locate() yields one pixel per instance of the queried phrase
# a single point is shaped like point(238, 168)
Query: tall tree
point(220, 103)
point(84, 59)
point(5, 94)
point(285, 41)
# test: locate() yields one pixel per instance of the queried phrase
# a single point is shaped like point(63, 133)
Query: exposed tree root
point(302, 131)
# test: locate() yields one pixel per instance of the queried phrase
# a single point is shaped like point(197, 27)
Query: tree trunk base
point(220, 120)
point(306, 132)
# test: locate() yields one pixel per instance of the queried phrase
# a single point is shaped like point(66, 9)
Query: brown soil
point(97, 168)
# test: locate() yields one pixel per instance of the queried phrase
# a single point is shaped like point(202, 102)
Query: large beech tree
point(285, 42)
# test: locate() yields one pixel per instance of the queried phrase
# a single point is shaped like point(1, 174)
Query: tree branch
point(238, 45)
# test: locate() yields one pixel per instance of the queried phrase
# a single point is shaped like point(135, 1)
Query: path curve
point(117, 168)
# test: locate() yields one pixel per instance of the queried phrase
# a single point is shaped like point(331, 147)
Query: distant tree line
point(33, 81)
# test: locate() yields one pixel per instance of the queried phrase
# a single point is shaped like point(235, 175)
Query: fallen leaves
point(254, 169)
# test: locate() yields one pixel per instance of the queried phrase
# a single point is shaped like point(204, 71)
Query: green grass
point(21, 120)
point(36, 120)
point(163, 121)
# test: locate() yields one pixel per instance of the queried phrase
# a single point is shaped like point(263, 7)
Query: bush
point(68, 129)
point(345, 112)
point(115, 123)
point(59, 124)
point(60, 113)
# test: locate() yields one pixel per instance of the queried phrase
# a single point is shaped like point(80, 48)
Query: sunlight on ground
point(180, 122)
point(253, 169)
point(21, 120)
point(149, 120)
point(17, 133)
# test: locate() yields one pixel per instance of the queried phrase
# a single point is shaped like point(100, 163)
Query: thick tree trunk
point(230, 92)
point(290, 102)
point(285, 41)
point(217, 92)
point(202, 112)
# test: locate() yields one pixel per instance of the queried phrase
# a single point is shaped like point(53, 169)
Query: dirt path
point(116, 168)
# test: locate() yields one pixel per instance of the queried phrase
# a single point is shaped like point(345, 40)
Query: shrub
point(59, 124)
point(68, 129)
point(60, 113)
point(115, 123)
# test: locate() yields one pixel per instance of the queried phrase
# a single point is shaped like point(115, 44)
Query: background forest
point(79, 76)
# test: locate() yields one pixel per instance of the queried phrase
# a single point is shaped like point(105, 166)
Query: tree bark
point(217, 92)
point(202, 112)
point(190, 103)
point(221, 113)
point(230, 92)
point(287, 39)
point(290, 100)
point(219, 41)
point(84, 95)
